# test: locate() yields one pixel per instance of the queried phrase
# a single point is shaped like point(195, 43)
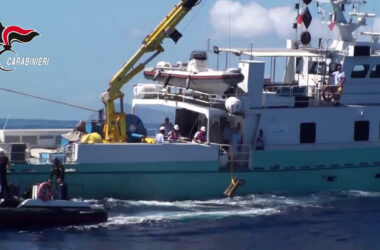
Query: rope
point(49, 100)
point(232, 163)
point(202, 3)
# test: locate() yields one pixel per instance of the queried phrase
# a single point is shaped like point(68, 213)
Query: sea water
point(327, 220)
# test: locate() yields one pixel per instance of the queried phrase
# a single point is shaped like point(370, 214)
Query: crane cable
point(200, 2)
point(47, 99)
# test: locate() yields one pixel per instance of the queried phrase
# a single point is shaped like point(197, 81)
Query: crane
point(115, 126)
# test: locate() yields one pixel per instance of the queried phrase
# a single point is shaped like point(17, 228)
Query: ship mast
point(346, 28)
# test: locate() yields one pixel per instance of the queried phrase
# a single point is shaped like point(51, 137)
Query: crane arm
point(115, 128)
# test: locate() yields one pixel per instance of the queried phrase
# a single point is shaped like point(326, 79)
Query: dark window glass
point(32, 140)
point(12, 138)
point(46, 137)
point(299, 65)
point(361, 131)
point(375, 72)
point(307, 132)
point(360, 71)
point(332, 67)
point(317, 68)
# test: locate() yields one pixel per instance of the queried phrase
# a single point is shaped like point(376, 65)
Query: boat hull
point(20, 217)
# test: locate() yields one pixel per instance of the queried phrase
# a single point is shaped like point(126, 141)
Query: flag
point(12, 34)
point(299, 19)
point(332, 22)
point(306, 17)
point(331, 25)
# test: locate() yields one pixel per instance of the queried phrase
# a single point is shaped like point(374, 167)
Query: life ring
point(44, 191)
point(328, 93)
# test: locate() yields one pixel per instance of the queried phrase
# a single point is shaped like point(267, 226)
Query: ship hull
point(276, 171)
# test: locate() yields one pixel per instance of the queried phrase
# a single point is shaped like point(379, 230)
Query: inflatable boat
point(37, 213)
point(195, 75)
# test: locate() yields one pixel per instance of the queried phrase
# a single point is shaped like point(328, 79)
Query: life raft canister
point(44, 191)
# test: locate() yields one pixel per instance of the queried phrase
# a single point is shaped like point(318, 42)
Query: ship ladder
point(235, 182)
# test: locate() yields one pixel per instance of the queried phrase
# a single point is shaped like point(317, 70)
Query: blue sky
point(88, 41)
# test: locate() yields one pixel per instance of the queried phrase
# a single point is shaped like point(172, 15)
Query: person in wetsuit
point(57, 171)
point(4, 164)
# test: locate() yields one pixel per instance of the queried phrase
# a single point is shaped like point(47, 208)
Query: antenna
point(6, 121)
point(251, 45)
point(229, 33)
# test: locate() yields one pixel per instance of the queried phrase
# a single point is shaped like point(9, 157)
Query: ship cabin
point(305, 110)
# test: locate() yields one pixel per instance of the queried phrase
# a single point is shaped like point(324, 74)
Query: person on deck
point(338, 75)
point(200, 136)
point(160, 136)
point(4, 164)
point(227, 133)
point(237, 139)
point(57, 171)
point(167, 125)
point(174, 135)
point(260, 140)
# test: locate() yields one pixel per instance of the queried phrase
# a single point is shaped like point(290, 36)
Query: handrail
point(241, 159)
point(180, 93)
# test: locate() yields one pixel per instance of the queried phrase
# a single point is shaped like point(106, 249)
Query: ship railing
point(315, 95)
point(179, 94)
point(69, 153)
point(235, 157)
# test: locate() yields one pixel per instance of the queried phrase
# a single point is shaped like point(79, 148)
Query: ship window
point(332, 67)
point(317, 68)
point(32, 140)
point(375, 72)
point(360, 71)
point(58, 140)
point(12, 138)
point(361, 131)
point(46, 137)
point(299, 65)
point(307, 132)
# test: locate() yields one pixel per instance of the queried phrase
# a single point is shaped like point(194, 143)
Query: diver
point(57, 171)
point(4, 164)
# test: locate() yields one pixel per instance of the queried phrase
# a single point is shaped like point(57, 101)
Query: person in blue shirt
point(167, 125)
point(237, 139)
